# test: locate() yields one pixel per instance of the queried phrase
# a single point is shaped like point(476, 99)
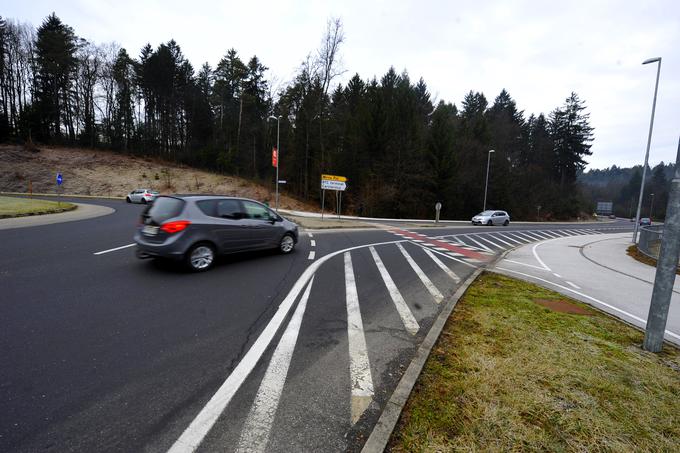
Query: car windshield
point(486, 213)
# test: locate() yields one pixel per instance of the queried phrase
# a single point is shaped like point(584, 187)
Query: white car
point(141, 196)
point(491, 218)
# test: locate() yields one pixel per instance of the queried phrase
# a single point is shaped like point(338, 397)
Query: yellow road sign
point(333, 178)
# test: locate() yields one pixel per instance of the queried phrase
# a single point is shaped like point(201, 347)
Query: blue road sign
point(59, 179)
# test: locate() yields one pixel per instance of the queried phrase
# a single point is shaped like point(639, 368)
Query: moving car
point(645, 221)
point(196, 228)
point(141, 196)
point(491, 218)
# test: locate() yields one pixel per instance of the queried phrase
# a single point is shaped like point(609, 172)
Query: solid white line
point(258, 425)
point(482, 238)
point(497, 237)
point(406, 316)
point(436, 294)
point(359, 365)
point(310, 235)
point(557, 275)
point(572, 285)
point(637, 318)
point(312, 254)
point(484, 247)
point(192, 437)
point(313, 243)
point(524, 264)
point(443, 266)
point(538, 258)
point(113, 250)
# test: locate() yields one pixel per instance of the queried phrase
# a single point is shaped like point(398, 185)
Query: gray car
point(491, 218)
point(143, 196)
point(196, 228)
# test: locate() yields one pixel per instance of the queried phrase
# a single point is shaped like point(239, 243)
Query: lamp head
point(652, 60)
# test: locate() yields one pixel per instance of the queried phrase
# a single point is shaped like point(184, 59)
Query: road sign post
point(665, 267)
point(437, 208)
point(60, 179)
point(336, 183)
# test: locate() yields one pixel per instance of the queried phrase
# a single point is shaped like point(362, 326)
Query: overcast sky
point(539, 51)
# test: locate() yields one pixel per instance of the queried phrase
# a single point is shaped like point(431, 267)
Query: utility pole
point(278, 156)
point(666, 267)
point(486, 185)
point(649, 141)
point(651, 207)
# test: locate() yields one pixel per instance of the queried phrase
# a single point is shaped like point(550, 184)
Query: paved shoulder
point(83, 211)
point(595, 270)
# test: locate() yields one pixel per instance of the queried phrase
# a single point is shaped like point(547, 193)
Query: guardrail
point(649, 242)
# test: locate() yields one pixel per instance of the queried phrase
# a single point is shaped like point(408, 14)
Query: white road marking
point(532, 235)
point(524, 264)
point(551, 234)
point(258, 425)
point(443, 266)
point(310, 235)
point(192, 437)
point(574, 232)
point(560, 233)
point(436, 294)
point(447, 255)
point(482, 238)
point(313, 243)
point(538, 258)
point(498, 237)
point(312, 254)
point(484, 247)
point(359, 365)
point(557, 275)
point(597, 301)
point(510, 238)
point(519, 238)
point(542, 235)
point(404, 312)
point(572, 285)
point(113, 250)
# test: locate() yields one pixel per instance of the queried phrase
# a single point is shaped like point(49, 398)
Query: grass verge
point(636, 254)
point(20, 207)
point(512, 371)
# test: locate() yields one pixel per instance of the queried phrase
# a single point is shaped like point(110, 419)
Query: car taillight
point(175, 227)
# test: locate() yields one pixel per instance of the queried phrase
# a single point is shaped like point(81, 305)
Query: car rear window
point(164, 208)
point(223, 208)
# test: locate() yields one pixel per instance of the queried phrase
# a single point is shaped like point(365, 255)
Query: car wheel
point(506, 223)
point(200, 257)
point(127, 200)
point(489, 223)
point(143, 200)
point(287, 244)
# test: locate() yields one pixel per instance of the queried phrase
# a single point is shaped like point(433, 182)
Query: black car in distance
point(196, 228)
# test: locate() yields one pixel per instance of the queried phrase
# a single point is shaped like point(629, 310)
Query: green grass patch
point(19, 207)
point(510, 374)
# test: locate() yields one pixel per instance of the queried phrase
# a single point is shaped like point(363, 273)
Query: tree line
point(401, 150)
point(622, 187)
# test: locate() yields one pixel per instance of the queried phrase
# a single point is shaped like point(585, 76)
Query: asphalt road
point(104, 352)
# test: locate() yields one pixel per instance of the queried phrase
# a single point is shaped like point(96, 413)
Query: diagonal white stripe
point(443, 266)
point(258, 425)
point(404, 312)
point(436, 294)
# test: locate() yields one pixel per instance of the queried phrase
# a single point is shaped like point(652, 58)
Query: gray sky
point(539, 51)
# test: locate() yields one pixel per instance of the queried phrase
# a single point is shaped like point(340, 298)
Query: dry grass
point(20, 207)
point(508, 374)
point(636, 254)
point(105, 173)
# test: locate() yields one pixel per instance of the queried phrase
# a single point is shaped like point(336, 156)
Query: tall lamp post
point(278, 155)
point(486, 185)
point(651, 206)
point(649, 141)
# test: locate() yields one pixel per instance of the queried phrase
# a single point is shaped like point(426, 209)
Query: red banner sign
point(275, 157)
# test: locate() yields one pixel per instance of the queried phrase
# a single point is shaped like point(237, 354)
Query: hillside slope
point(105, 173)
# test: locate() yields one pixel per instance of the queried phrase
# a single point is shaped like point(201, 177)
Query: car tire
point(127, 200)
point(489, 223)
point(287, 244)
point(144, 201)
point(200, 257)
point(506, 223)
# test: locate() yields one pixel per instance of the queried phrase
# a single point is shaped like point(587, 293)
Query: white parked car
point(491, 218)
point(141, 196)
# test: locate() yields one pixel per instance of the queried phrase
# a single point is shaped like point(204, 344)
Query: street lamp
point(649, 141)
point(486, 185)
point(651, 206)
point(278, 155)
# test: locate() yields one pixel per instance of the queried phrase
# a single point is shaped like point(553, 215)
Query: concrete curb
point(83, 212)
point(377, 441)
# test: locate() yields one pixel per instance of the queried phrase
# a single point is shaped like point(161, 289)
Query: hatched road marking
point(436, 294)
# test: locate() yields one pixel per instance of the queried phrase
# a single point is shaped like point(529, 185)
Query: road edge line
point(382, 431)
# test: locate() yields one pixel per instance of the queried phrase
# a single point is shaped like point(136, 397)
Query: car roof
point(202, 196)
